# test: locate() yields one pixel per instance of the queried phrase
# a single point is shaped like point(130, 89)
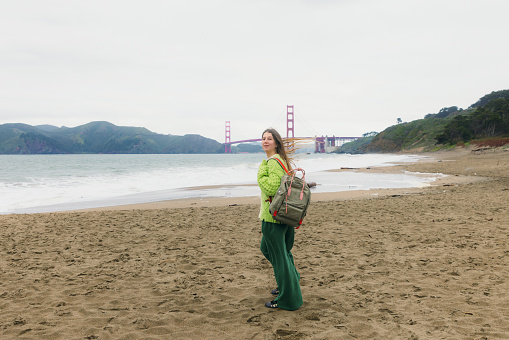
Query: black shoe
point(271, 304)
point(275, 292)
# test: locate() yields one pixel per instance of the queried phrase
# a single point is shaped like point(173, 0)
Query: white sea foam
point(40, 183)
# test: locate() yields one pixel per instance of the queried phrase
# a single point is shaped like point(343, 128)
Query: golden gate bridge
point(322, 144)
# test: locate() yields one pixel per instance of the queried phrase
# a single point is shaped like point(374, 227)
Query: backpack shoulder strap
point(281, 163)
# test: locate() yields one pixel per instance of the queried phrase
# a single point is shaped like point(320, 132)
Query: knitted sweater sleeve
point(269, 177)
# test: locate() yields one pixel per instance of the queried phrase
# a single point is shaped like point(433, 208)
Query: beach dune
point(426, 263)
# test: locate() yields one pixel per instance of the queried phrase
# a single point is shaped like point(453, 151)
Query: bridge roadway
point(320, 142)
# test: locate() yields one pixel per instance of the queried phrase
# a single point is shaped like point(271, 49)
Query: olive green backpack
point(290, 203)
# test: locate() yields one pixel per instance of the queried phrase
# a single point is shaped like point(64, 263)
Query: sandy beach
point(421, 263)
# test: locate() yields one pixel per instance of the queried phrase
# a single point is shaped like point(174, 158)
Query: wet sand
point(421, 263)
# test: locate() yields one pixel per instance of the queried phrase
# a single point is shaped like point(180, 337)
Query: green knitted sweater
point(269, 180)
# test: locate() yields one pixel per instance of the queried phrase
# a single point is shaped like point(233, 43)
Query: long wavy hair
point(281, 147)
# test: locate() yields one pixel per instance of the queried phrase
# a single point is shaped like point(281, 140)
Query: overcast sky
point(183, 66)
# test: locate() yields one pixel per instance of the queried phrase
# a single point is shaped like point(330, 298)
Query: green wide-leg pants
point(276, 246)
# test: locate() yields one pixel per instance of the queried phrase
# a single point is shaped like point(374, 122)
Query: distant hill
point(247, 148)
point(487, 118)
point(356, 146)
point(47, 128)
point(98, 137)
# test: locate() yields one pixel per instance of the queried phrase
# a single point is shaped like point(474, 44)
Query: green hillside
point(98, 137)
point(356, 146)
point(488, 118)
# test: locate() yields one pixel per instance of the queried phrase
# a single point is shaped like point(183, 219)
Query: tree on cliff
point(488, 120)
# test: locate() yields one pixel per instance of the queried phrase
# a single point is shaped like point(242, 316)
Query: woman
point(277, 239)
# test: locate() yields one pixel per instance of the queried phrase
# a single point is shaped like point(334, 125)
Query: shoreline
point(328, 182)
point(399, 168)
point(430, 264)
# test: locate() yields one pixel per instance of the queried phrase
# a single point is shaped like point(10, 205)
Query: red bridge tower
point(227, 139)
point(289, 121)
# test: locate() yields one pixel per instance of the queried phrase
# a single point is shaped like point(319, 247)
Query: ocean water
point(45, 183)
